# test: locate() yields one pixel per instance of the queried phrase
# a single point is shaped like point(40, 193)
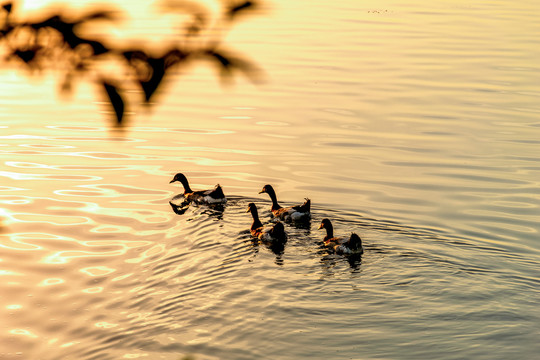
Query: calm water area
point(414, 124)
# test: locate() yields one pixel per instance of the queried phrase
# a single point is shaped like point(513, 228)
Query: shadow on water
point(179, 205)
point(52, 41)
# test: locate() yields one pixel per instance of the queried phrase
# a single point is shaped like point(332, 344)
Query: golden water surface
point(414, 124)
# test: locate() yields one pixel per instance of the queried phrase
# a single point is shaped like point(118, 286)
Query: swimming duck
point(340, 245)
point(212, 196)
point(274, 233)
point(291, 213)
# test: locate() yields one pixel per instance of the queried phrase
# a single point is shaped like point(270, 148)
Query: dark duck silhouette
point(291, 213)
point(272, 233)
point(212, 196)
point(341, 246)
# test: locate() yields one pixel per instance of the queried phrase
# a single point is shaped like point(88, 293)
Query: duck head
point(270, 191)
point(252, 208)
point(267, 189)
point(325, 224)
point(181, 178)
point(255, 215)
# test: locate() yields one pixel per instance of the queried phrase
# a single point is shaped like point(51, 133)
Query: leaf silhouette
point(225, 62)
point(7, 27)
point(116, 101)
point(67, 30)
point(53, 41)
point(102, 15)
point(235, 9)
point(228, 63)
point(225, 65)
point(8, 7)
point(153, 70)
point(26, 55)
point(150, 86)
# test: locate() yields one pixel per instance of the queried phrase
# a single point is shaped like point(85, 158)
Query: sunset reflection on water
point(414, 125)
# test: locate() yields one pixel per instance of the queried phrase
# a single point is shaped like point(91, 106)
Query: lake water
point(415, 125)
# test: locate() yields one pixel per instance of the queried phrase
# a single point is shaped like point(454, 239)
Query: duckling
point(341, 246)
point(291, 213)
point(212, 196)
point(274, 233)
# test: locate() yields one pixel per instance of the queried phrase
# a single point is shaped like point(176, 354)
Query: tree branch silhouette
point(54, 42)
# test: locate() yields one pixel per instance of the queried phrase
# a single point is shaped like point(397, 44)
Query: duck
point(341, 246)
point(211, 196)
point(291, 213)
point(272, 233)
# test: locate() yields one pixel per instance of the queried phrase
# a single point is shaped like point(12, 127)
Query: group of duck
point(274, 232)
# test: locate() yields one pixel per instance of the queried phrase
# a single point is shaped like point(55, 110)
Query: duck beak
point(320, 226)
point(248, 210)
point(262, 191)
point(173, 180)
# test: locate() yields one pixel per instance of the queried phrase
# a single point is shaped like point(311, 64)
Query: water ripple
point(429, 155)
point(19, 176)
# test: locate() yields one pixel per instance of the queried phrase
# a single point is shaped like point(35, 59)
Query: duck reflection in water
point(330, 261)
point(277, 249)
point(215, 211)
